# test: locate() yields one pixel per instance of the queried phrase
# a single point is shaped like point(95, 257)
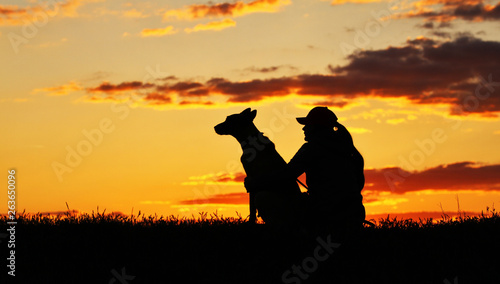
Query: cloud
point(359, 130)
point(340, 2)
point(169, 30)
point(384, 201)
point(13, 15)
point(59, 90)
point(134, 13)
point(269, 69)
point(445, 11)
point(457, 176)
point(234, 9)
point(428, 72)
point(212, 26)
point(330, 103)
point(442, 11)
point(97, 76)
point(226, 198)
point(158, 99)
point(462, 74)
point(395, 121)
point(106, 87)
point(227, 178)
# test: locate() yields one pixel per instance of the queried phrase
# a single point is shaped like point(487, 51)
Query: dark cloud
point(441, 34)
point(168, 78)
point(458, 176)
point(7, 11)
point(215, 10)
point(97, 76)
point(445, 11)
point(186, 102)
point(445, 25)
point(462, 73)
point(106, 87)
point(269, 69)
point(253, 90)
point(232, 9)
point(427, 25)
point(264, 69)
point(13, 15)
point(158, 99)
point(237, 177)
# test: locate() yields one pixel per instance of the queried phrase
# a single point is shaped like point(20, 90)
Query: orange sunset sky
point(112, 103)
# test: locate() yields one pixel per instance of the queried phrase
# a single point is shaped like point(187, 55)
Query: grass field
point(104, 248)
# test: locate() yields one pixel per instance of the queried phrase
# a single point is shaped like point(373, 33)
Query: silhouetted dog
point(259, 158)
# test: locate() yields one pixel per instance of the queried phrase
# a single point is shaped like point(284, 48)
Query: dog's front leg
point(253, 208)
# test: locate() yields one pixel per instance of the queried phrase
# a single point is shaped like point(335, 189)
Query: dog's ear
point(246, 111)
point(253, 114)
point(249, 114)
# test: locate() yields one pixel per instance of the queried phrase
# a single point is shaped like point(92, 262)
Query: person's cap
point(319, 116)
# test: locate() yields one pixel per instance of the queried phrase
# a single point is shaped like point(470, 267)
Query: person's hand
point(250, 184)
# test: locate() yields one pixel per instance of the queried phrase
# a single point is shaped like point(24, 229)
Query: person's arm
point(299, 163)
point(292, 171)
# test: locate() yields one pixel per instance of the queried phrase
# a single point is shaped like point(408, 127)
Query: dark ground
point(235, 252)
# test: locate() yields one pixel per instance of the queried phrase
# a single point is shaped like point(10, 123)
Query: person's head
point(319, 120)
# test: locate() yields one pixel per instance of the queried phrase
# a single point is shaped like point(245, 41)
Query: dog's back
point(260, 158)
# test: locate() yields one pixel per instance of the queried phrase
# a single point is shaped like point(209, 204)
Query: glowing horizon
point(113, 104)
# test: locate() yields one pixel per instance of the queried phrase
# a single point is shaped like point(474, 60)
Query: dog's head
point(236, 122)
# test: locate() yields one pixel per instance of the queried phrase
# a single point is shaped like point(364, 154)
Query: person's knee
point(274, 207)
point(264, 201)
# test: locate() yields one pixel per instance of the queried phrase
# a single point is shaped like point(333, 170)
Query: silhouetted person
point(334, 174)
point(334, 170)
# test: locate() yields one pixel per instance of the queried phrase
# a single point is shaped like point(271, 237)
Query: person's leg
point(277, 208)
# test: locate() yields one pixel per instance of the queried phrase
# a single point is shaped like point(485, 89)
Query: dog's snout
point(218, 129)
